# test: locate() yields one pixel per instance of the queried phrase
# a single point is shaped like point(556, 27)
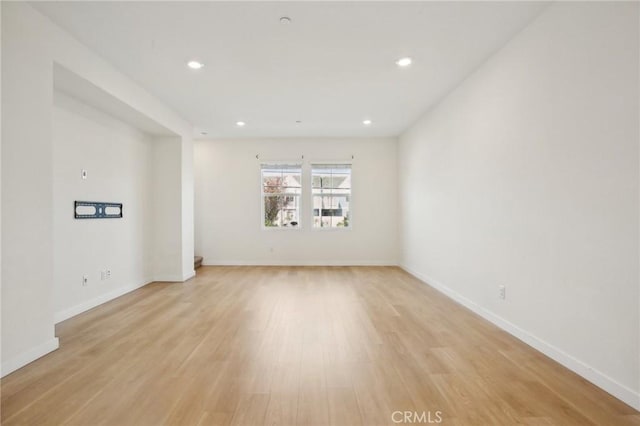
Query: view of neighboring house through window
point(281, 188)
point(331, 188)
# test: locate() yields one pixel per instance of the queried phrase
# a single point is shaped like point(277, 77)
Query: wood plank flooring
point(296, 346)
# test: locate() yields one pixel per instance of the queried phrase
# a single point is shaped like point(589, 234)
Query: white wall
point(118, 160)
point(186, 200)
point(167, 220)
point(31, 44)
point(228, 204)
point(1, 135)
point(527, 176)
point(27, 197)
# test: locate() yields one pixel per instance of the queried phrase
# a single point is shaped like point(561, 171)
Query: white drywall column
point(187, 203)
point(167, 194)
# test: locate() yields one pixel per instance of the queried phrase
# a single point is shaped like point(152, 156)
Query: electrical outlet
point(502, 292)
point(85, 280)
point(108, 272)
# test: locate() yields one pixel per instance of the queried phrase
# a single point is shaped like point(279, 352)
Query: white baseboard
point(299, 263)
point(171, 278)
point(26, 357)
point(618, 390)
point(90, 304)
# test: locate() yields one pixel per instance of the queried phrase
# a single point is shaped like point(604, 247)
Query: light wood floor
point(295, 346)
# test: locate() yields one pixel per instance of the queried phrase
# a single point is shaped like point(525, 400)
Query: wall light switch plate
point(84, 174)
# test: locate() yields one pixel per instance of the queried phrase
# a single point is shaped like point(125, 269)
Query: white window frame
point(311, 221)
point(300, 196)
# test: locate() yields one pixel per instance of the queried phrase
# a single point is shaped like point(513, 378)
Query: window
point(281, 188)
point(331, 188)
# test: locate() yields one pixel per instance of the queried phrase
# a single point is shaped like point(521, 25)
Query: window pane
point(331, 190)
point(289, 213)
point(289, 190)
point(271, 181)
point(272, 206)
point(291, 179)
point(318, 192)
point(341, 192)
point(317, 204)
point(281, 211)
point(281, 189)
point(342, 181)
point(326, 211)
point(340, 203)
point(341, 219)
point(326, 181)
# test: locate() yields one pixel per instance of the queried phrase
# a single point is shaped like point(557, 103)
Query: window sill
point(281, 228)
point(340, 229)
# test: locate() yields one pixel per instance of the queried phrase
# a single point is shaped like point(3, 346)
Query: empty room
point(350, 213)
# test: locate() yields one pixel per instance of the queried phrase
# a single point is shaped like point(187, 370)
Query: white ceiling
point(331, 67)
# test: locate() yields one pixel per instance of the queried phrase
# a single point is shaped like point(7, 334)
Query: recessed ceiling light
point(240, 123)
point(367, 122)
point(298, 121)
point(203, 133)
point(285, 20)
point(404, 62)
point(195, 65)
